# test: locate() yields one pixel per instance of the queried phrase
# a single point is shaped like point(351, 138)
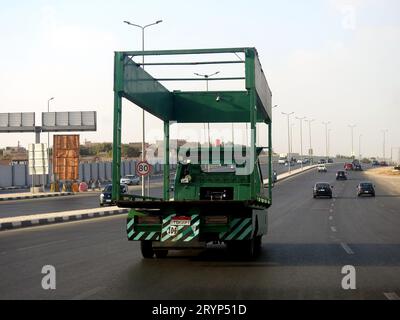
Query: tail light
point(148, 220)
point(216, 220)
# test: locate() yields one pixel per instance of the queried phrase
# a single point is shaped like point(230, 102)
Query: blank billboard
point(69, 121)
point(17, 122)
point(38, 160)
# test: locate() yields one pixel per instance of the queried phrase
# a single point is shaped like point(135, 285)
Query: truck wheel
point(147, 249)
point(249, 249)
point(161, 254)
point(258, 244)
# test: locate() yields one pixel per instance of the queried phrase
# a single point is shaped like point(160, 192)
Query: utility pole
point(301, 139)
point(352, 140)
point(288, 127)
point(359, 147)
point(326, 138)
point(143, 114)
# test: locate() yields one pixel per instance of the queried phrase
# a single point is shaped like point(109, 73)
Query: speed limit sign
point(143, 168)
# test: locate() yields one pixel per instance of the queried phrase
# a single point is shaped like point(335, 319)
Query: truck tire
point(147, 249)
point(258, 244)
point(249, 249)
point(161, 254)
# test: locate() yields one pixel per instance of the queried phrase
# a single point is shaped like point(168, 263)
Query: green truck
point(219, 193)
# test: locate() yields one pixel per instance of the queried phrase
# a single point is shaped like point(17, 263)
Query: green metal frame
point(132, 82)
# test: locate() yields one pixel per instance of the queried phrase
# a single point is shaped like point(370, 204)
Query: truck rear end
point(225, 203)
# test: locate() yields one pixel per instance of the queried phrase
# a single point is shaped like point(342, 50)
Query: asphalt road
point(14, 208)
point(309, 242)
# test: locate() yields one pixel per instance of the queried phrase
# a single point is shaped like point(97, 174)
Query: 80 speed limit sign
point(143, 168)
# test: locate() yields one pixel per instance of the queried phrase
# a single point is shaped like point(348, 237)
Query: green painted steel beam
point(118, 88)
point(185, 51)
point(166, 161)
point(187, 63)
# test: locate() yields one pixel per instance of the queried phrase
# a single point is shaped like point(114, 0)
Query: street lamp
point(352, 141)
point(207, 76)
point(310, 153)
point(301, 139)
point(359, 147)
point(288, 127)
point(48, 136)
point(384, 144)
point(143, 115)
point(326, 138)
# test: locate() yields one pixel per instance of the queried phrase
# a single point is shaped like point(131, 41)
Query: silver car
point(130, 180)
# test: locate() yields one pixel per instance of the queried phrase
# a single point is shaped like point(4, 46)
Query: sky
point(328, 60)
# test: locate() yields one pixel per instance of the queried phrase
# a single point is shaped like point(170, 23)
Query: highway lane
point(309, 242)
point(15, 208)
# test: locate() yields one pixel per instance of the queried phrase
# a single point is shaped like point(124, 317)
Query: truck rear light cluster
point(148, 220)
point(216, 219)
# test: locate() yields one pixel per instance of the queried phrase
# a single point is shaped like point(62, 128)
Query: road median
point(57, 217)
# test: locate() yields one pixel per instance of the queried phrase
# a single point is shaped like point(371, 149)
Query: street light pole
point(143, 114)
point(288, 126)
point(301, 139)
point(310, 153)
point(352, 141)
point(384, 144)
point(48, 137)
point(326, 138)
point(207, 76)
point(359, 147)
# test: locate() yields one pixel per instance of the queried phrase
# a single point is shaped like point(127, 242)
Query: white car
point(322, 168)
point(130, 179)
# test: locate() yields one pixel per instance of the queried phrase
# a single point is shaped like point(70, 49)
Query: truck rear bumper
point(170, 234)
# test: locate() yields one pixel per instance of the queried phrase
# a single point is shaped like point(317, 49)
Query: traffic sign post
point(143, 168)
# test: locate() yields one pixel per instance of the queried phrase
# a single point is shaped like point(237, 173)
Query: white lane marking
point(334, 200)
point(391, 296)
point(330, 210)
point(346, 248)
point(330, 218)
point(41, 245)
point(332, 204)
point(333, 229)
point(88, 293)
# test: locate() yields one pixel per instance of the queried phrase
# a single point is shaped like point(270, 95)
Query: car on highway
point(130, 180)
point(322, 189)
point(330, 160)
point(321, 168)
point(341, 175)
point(348, 166)
point(106, 194)
point(383, 164)
point(357, 167)
point(321, 161)
point(365, 188)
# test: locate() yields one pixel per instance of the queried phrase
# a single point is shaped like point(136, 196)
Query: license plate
point(366, 191)
point(322, 190)
point(108, 200)
point(180, 221)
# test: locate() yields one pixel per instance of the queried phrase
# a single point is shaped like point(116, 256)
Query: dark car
point(357, 167)
point(330, 160)
point(106, 194)
point(366, 188)
point(341, 175)
point(321, 161)
point(322, 189)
